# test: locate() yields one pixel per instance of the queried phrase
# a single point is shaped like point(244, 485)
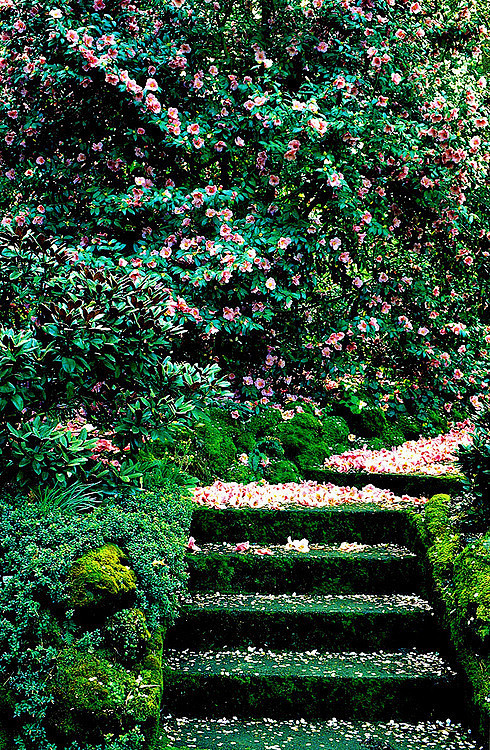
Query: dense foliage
point(86, 367)
point(307, 179)
point(46, 622)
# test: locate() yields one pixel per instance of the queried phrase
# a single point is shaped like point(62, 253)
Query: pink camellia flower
point(335, 179)
point(72, 36)
point(396, 78)
point(242, 547)
point(198, 142)
point(284, 242)
point(475, 142)
point(273, 180)
point(151, 85)
point(335, 243)
point(415, 7)
point(383, 277)
point(271, 284)
point(423, 331)
point(382, 101)
point(192, 546)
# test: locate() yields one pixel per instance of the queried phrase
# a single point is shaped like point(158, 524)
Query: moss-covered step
point(367, 524)
point(323, 569)
point(416, 485)
point(254, 683)
point(299, 734)
point(337, 623)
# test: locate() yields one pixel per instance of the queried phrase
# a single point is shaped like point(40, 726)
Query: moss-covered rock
point(281, 472)
point(299, 433)
point(335, 430)
point(472, 587)
point(263, 424)
point(409, 426)
point(392, 436)
point(369, 422)
point(94, 696)
point(436, 513)
point(215, 452)
point(102, 580)
point(314, 455)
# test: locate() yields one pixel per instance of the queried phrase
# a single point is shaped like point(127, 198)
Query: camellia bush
point(307, 179)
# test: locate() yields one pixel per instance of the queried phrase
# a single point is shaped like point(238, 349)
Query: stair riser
point(299, 631)
point(320, 526)
point(287, 574)
point(312, 698)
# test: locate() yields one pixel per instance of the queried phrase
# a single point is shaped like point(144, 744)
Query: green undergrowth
point(240, 447)
point(460, 572)
point(85, 601)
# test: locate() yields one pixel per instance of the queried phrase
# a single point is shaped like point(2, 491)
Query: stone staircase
point(336, 647)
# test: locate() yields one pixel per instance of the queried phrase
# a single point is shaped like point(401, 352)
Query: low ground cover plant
point(85, 601)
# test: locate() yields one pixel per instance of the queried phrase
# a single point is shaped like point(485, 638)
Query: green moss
point(472, 586)
point(392, 436)
point(335, 430)
point(94, 696)
point(436, 514)
point(409, 426)
point(215, 451)
point(314, 455)
point(281, 472)
point(299, 433)
point(101, 580)
point(263, 424)
point(369, 422)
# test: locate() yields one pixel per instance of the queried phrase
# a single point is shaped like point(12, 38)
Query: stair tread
point(351, 665)
point(304, 603)
point(327, 551)
point(299, 734)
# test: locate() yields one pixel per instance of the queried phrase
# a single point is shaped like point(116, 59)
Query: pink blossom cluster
point(433, 456)
point(257, 495)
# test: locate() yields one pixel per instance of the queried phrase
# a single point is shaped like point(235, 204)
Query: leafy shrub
point(92, 348)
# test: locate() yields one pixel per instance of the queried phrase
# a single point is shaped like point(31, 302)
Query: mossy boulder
point(215, 452)
point(436, 514)
point(314, 455)
point(264, 423)
point(298, 433)
point(94, 696)
point(102, 581)
point(281, 472)
point(409, 426)
point(392, 436)
point(369, 422)
point(335, 431)
point(472, 588)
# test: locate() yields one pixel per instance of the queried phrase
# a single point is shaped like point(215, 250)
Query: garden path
point(325, 643)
